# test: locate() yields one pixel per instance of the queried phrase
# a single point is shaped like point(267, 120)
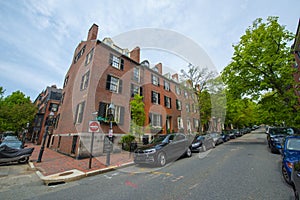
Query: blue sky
point(38, 38)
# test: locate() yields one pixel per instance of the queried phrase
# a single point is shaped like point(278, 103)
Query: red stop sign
point(94, 126)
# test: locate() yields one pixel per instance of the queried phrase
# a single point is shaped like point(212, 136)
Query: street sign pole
point(91, 152)
point(94, 126)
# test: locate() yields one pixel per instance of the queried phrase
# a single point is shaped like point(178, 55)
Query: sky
point(38, 38)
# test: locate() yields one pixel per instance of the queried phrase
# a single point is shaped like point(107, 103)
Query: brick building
point(103, 73)
point(296, 52)
point(47, 101)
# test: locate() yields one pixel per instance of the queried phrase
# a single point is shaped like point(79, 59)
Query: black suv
point(163, 149)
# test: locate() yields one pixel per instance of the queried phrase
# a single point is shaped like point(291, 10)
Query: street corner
point(63, 177)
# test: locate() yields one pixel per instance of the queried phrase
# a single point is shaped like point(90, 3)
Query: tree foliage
point(198, 79)
point(261, 64)
point(138, 115)
point(16, 111)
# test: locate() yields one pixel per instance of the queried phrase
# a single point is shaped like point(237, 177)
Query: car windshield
point(158, 139)
point(281, 131)
point(293, 144)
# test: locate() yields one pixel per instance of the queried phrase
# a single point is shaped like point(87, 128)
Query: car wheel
point(285, 175)
point(23, 160)
point(203, 147)
point(189, 152)
point(161, 159)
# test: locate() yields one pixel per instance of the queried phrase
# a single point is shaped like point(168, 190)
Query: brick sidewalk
point(54, 162)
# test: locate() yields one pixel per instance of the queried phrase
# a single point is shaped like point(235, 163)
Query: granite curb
point(74, 174)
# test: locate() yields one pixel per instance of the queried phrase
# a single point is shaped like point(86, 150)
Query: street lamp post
point(48, 123)
point(111, 109)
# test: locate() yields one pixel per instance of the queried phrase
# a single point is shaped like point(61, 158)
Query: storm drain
point(56, 183)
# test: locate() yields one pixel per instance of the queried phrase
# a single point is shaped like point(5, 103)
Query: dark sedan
point(163, 149)
point(217, 138)
point(202, 143)
point(275, 137)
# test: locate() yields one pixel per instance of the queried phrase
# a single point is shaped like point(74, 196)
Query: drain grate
point(56, 183)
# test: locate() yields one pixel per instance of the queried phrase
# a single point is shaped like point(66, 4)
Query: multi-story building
point(296, 52)
point(103, 73)
point(47, 101)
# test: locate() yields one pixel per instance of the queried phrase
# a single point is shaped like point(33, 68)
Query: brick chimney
point(135, 54)
point(93, 32)
point(159, 67)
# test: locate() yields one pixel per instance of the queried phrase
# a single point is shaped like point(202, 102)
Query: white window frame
point(114, 84)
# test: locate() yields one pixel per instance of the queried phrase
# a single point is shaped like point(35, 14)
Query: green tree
point(16, 111)
point(138, 115)
point(262, 63)
point(198, 79)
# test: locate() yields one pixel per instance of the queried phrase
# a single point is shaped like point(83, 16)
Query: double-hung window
point(155, 97)
point(155, 120)
point(89, 57)
point(135, 89)
point(136, 74)
point(168, 102)
point(116, 62)
point(167, 85)
point(79, 112)
point(114, 84)
point(85, 81)
point(155, 80)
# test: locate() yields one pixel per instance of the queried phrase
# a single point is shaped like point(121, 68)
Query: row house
point(102, 74)
point(46, 102)
point(296, 52)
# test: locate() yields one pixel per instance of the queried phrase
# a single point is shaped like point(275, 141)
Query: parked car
point(290, 152)
point(231, 134)
point(295, 179)
point(202, 143)
point(163, 149)
point(217, 138)
point(236, 132)
point(12, 142)
point(225, 136)
point(275, 136)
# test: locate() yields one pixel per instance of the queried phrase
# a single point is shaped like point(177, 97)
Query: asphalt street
point(242, 168)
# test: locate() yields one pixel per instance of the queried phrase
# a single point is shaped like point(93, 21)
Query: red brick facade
point(102, 73)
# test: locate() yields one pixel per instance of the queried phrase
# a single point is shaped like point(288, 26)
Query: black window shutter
point(160, 117)
point(110, 59)
point(152, 97)
point(141, 91)
point(120, 86)
point(151, 78)
point(122, 64)
point(158, 81)
point(81, 85)
point(150, 118)
point(158, 98)
point(170, 103)
point(164, 84)
point(102, 109)
point(108, 82)
point(121, 115)
point(131, 90)
point(165, 99)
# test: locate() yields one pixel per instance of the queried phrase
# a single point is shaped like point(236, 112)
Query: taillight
point(290, 165)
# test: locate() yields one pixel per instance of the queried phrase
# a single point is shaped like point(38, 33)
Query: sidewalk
point(66, 168)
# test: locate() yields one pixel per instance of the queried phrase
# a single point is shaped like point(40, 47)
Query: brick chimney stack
point(135, 54)
point(159, 67)
point(93, 32)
